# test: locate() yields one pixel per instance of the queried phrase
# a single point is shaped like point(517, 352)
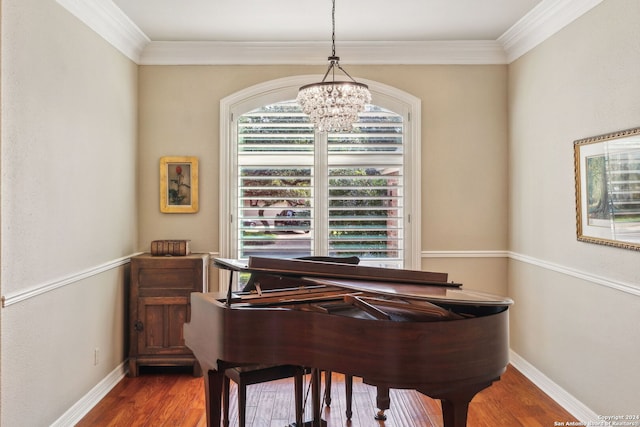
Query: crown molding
point(314, 53)
point(544, 20)
point(110, 22)
point(547, 18)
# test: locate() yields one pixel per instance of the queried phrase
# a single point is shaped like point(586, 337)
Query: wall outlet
point(96, 357)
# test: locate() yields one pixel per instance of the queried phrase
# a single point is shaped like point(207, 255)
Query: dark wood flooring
point(167, 397)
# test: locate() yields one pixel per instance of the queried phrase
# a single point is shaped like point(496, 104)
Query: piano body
point(394, 328)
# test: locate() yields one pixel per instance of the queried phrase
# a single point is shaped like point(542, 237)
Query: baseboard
point(557, 393)
point(91, 399)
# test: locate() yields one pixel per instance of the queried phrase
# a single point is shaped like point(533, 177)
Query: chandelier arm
point(347, 74)
point(331, 65)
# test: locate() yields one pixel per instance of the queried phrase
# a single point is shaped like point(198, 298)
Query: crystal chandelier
point(333, 106)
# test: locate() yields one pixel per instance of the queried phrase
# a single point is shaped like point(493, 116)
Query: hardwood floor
point(168, 397)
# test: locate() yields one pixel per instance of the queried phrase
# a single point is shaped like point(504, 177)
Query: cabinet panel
point(151, 327)
point(178, 315)
point(162, 321)
point(167, 278)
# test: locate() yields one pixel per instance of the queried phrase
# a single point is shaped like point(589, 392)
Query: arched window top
point(275, 91)
point(265, 117)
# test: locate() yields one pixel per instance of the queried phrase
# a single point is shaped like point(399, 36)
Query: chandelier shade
point(333, 106)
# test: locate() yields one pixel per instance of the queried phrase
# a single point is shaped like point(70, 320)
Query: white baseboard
point(91, 399)
point(557, 393)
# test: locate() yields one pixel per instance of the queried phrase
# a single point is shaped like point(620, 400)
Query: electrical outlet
point(96, 357)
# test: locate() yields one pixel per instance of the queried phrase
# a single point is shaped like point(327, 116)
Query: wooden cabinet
point(159, 305)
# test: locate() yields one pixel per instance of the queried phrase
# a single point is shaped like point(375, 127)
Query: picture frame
point(607, 182)
point(179, 184)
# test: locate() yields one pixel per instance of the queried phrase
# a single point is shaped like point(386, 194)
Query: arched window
point(289, 191)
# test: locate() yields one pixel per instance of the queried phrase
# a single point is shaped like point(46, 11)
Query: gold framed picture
point(607, 171)
point(179, 184)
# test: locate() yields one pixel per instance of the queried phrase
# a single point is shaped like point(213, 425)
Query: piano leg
point(348, 384)
point(327, 388)
point(226, 386)
point(455, 404)
point(454, 413)
point(213, 395)
point(298, 384)
point(317, 420)
point(383, 402)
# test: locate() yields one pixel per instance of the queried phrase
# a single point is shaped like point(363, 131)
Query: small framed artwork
point(607, 180)
point(179, 184)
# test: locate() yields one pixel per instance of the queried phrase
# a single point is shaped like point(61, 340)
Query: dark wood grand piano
point(399, 329)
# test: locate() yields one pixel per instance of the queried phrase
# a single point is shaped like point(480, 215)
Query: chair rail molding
point(629, 288)
point(466, 254)
point(42, 288)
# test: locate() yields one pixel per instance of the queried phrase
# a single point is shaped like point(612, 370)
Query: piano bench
point(255, 374)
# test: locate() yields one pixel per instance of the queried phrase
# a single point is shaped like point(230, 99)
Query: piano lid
point(435, 294)
point(299, 268)
point(231, 264)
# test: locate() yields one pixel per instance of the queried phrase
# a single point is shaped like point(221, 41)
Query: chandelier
point(333, 106)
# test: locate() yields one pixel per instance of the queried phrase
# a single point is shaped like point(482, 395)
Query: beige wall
point(68, 189)
point(569, 321)
point(83, 130)
point(464, 151)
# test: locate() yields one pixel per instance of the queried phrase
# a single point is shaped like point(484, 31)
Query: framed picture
point(607, 179)
point(179, 184)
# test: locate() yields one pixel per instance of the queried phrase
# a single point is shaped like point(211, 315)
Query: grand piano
point(401, 329)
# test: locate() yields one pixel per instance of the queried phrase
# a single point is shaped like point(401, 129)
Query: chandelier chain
point(333, 29)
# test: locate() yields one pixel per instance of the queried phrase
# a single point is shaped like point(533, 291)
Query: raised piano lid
point(433, 294)
point(230, 264)
point(296, 267)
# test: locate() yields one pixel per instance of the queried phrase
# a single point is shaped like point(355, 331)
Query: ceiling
point(181, 32)
point(310, 20)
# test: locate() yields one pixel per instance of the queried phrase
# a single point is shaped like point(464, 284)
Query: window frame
point(270, 92)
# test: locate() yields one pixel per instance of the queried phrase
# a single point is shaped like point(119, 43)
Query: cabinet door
point(160, 328)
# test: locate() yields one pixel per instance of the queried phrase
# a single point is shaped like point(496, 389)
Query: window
point(289, 191)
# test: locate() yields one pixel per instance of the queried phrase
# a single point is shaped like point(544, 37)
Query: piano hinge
point(231, 118)
point(409, 116)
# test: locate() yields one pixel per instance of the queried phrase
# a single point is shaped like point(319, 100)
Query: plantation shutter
point(275, 182)
point(302, 193)
point(365, 170)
